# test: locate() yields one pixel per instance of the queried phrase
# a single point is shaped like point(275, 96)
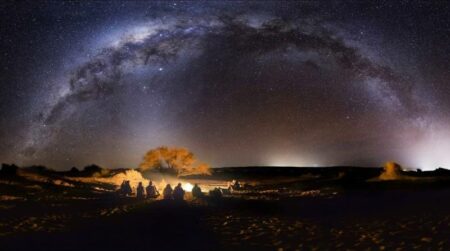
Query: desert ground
point(276, 209)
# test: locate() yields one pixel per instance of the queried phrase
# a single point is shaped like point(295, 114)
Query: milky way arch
point(236, 70)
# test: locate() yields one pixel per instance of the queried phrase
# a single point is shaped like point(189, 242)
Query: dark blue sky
point(238, 83)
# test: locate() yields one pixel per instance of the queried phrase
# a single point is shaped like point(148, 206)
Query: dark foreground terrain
point(314, 214)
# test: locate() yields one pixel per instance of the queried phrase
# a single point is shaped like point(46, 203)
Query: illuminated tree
point(177, 161)
point(392, 171)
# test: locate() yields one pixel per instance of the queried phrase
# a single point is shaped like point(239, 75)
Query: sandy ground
point(400, 220)
point(325, 214)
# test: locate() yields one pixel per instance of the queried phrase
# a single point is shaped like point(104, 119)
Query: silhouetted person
point(128, 189)
point(235, 185)
point(197, 192)
point(125, 188)
point(152, 191)
point(215, 193)
point(167, 193)
point(178, 192)
point(140, 191)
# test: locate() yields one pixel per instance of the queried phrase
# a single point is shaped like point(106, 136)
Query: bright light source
point(187, 187)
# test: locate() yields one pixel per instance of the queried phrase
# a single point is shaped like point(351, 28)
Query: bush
point(9, 170)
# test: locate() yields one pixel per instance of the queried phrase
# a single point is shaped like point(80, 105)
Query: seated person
point(152, 191)
point(140, 191)
point(178, 192)
point(167, 193)
point(197, 192)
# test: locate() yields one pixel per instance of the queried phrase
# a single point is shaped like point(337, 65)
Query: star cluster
point(239, 83)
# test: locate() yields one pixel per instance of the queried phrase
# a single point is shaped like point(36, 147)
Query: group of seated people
point(178, 192)
point(151, 192)
point(125, 189)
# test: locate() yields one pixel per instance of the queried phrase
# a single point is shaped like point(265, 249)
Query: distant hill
point(351, 173)
point(244, 172)
point(277, 171)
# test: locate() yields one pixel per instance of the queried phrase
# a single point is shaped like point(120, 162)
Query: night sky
point(238, 83)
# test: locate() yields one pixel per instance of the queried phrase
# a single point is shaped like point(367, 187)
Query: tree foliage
point(177, 161)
